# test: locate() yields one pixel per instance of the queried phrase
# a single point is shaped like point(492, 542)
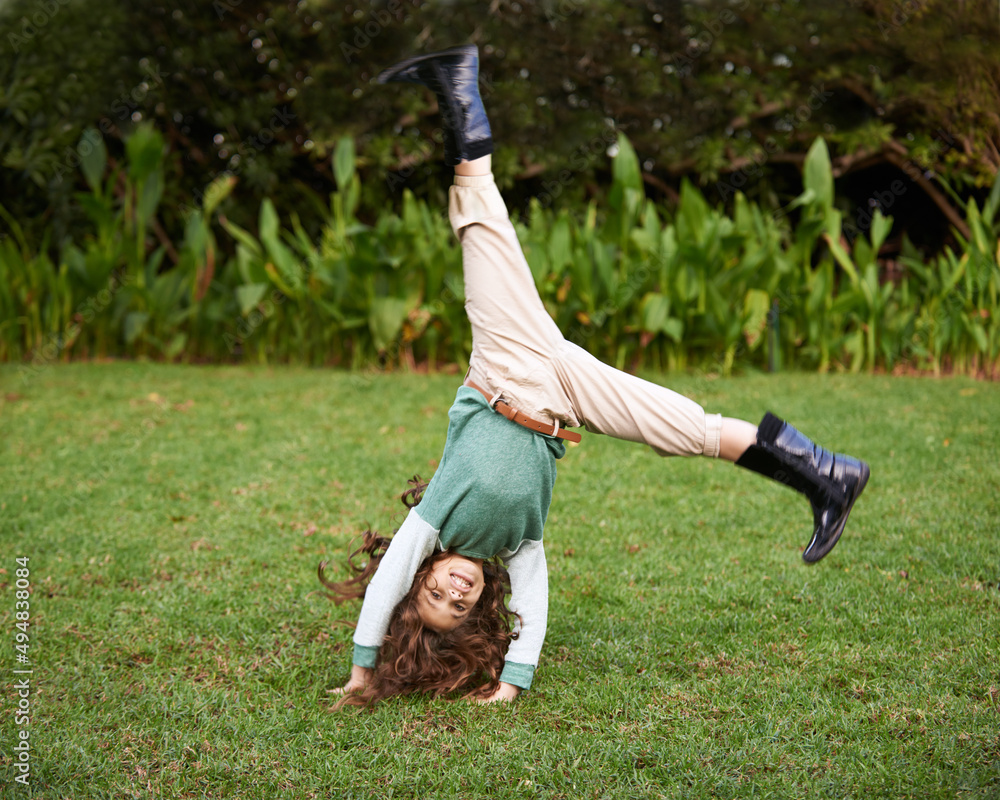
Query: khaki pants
point(518, 351)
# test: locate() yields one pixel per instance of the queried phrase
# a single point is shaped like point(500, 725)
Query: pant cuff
point(474, 180)
point(475, 198)
point(713, 435)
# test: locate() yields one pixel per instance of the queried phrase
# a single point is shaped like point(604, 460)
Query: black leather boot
point(453, 76)
point(831, 481)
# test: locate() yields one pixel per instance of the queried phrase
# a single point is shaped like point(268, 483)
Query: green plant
point(956, 296)
point(634, 283)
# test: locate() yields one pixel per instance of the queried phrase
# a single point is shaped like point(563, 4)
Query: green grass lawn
point(174, 518)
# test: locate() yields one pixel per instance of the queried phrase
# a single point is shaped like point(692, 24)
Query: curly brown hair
point(415, 658)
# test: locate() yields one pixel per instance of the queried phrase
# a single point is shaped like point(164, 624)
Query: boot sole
point(810, 558)
point(386, 75)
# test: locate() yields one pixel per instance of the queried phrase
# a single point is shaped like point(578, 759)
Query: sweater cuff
point(364, 656)
point(519, 675)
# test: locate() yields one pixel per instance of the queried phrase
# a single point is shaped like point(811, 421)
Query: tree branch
point(914, 173)
point(766, 110)
point(663, 186)
point(860, 91)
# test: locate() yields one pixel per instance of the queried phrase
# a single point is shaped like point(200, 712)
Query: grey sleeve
point(529, 597)
point(413, 542)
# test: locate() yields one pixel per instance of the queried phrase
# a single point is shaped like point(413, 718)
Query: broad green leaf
point(152, 266)
point(692, 214)
point(817, 174)
point(176, 346)
point(343, 163)
point(581, 271)
point(278, 280)
point(217, 191)
point(385, 319)
point(16, 229)
point(284, 268)
point(756, 304)
point(243, 237)
point(249, 295)
point(674, 328)
point(559, 244)
point(879, 230)
point(978, 333)
point(456, 286)
point(135, 324)
point(538, 262)
point(144, 148)
point(654, 311)
point(603, 254)
point(854, 345)
point(76, 262)
point(992, 202)
point(804, 199)
point(842, 258)
point(352, 197)
point(625, 169)
point(93, 158)
point(196, 235)
point(152, 191)
point(267, 222)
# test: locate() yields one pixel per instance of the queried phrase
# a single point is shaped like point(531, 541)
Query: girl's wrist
point(508, 691)
point(505, 693)
point(360, 676)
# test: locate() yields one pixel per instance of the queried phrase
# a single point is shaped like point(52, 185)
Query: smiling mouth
point(461, 582)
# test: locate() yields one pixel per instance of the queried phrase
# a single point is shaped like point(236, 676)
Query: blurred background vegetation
point(710, 184)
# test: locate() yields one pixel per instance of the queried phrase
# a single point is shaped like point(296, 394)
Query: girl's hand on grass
point(505, 693)
point(360, 677)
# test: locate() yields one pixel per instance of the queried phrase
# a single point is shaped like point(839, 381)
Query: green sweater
point(493, 487)
point(489, 497)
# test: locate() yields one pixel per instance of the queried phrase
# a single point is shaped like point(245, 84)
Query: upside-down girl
point(435, 617)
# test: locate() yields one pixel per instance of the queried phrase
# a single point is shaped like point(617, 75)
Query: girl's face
point(450, 592)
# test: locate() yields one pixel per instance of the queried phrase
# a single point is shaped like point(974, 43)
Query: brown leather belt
point(523, 419)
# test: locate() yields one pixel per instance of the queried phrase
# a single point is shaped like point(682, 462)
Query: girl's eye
point(435, 595)
point(460, 608)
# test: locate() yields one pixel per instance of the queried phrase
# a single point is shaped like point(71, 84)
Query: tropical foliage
point(633, 283)
point(729, 94)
